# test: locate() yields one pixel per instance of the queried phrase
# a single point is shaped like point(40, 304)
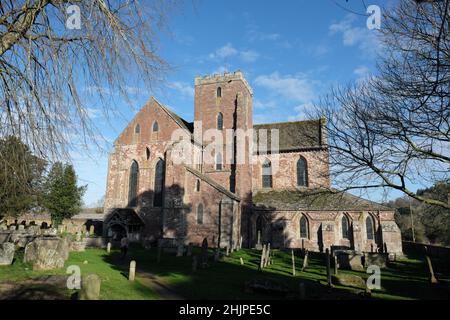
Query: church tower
point(224, 103)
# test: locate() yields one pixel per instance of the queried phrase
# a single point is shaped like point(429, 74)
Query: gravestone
point(6, 253)
point(335, 265)
point(305, 261)
point(90, 287)
point(205, 253)
point(108, 247)
point(349, 280)
point(21, 227)
point(293, 262)
point(327, 257)
point(240, 243)
point(12, 228)
point(242, 261)
point(91, 230)
point(216, 255)
point(227, 251)
point(47, 253)
point(263, 256)
point(132, 272)
point(180, 250)
point(267, 257)
point(258, 243)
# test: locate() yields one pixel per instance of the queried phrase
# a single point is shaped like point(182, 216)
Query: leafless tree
point(392, 129)
point(48, 67)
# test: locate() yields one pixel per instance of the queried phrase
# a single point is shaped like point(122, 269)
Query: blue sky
point(291, 52)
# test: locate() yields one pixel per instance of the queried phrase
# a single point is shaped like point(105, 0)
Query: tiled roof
point(314, 200)
point(213, 183)
point(293, 135)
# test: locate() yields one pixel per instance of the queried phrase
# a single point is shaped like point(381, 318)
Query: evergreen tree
point(21, 177)
point(63, 198)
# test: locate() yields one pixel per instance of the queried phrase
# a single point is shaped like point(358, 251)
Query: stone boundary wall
point(434, 251)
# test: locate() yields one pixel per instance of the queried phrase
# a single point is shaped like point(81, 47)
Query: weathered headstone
point(21, 227)
point(267, 257)
point(293, 262)
point(240, 243)
point(12, 228)
point(242, 261)
point(227, 251)
point(305, 261)
point(180, 250)
point(132, 273)
point(263, 256)
point(335, 265)
point(90, 287)
point(6, 253)
point(327, 257)
point(205, 253)
point(216, 255)
point(258, 243)
point(108, 247)
point(91, 230)
point(47, 253)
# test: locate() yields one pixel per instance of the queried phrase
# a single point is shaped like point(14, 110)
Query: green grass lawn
point(407, 278)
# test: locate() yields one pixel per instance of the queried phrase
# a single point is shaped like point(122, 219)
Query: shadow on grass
point(226, 279)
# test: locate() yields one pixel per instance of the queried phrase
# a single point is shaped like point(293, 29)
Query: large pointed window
point(155, 127)
point(220, 121)
point(369, 228)
point(200, 214)
point(267, 174)
point(133, 184)
point(303, 227)
point(345, 227)
point(302, 173)
point(159, 183)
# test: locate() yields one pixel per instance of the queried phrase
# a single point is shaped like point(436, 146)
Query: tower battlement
point(223, 77)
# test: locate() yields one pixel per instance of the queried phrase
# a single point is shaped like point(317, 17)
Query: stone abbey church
point(151, 196)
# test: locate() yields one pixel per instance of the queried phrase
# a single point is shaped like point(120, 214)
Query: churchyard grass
point(407, 278)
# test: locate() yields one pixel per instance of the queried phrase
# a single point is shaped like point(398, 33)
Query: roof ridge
point(213, 183)
point(283, 122)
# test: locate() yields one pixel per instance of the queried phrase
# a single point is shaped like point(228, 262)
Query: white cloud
point(228, 51)
point(249, 56)
point(293, 88)
point(224, 52)
point(182, 87)
point(360, 36)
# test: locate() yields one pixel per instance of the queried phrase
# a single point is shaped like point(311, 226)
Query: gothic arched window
point(147, 151)
point(369, 228)
point(219, 92)
point(133, 184)
point(137, 129)
point(219, 161)
point(155, 127)
point(345, 227)
point(159, 183)
point(302, 173)
point(303, 227)
point(220, 121)
point(267, 174)
point(197, 185)
point(200, 214)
